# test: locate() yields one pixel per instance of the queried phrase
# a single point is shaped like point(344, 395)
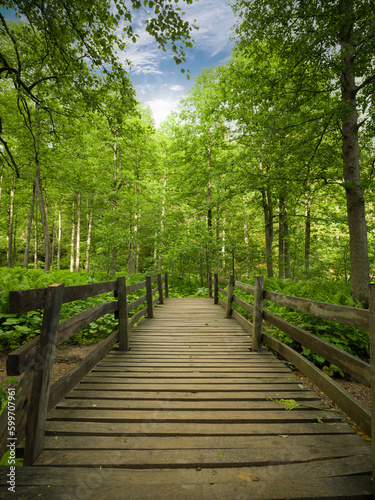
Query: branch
point(12, 163)
point(368, 80)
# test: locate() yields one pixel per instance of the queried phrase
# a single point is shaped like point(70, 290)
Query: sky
point(157, 79)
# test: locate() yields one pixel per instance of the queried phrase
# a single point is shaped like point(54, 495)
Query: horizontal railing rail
point(358, 318)
point(35, 396)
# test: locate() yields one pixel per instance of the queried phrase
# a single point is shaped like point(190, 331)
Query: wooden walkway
point(187, 414)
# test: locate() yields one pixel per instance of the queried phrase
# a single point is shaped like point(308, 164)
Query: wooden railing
point(358, 318)
point(35, 396)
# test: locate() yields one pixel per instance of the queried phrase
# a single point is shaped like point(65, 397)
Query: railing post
point(216, 289)
point(210, 284)
point(166, 293)
point(149, 296)
point(372, 368)
point(160, 288)
point(36, 419)
point(258, 314)
point(230, 297)
point(123, 324)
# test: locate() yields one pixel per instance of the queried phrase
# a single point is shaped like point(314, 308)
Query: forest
point(266, 169)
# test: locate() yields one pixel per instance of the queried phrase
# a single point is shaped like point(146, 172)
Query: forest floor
point(67, 356)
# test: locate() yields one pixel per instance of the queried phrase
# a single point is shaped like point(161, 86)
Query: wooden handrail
point(351, 316)
point(34, 388)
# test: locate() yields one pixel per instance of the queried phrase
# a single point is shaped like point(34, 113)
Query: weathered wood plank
point(246, 486)
point(258, 314)
point(153, 404)
point(25, 356)
point(135, 286)
point(133, 305)
point(223, 280)
point(136, 317)
point(272, 387)
point(193, 428)
point(351, 316)
point(160, 289)
point(52, 476)
point(240, 396)
point(229, 308)
point(40, 391)
point(173, 458)
point(292, 445)
point(21, 301)
point(243, 321)
point(349, 404)
point(149, 294)
point(22, 401)
point(245, 305)
point(66, 383)
point(348, 363)
point(372, 368)
point(123, 322)
point(245, 286)
point(199, 416)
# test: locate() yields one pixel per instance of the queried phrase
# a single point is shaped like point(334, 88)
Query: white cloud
point(176, 88)
point(214, 19)
point(161, 108)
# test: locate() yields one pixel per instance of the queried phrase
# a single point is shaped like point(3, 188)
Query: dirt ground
point(67, 356)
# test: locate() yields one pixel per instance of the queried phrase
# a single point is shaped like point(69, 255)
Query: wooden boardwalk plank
point(191, 413)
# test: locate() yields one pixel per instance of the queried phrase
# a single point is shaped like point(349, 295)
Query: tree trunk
point(268, 223)
point(359, 262)
point(209, 213)
point(307, 232)
point(281, 239)
point(36, 236)
point(89, 231)
point(223, 246)
point(162, 226)
point(39, 192)
point(134, 266)
point(28, 233)
point(246, 237)
point(1, 183)
point(10, 259)
point(43, 217)
point(71, 268)
point(286, 244)
point(78, 240)
point(59, 239)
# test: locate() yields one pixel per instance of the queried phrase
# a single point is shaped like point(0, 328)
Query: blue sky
point(158, 81)
point(156, 77)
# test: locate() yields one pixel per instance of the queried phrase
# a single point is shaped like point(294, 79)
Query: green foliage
point(17, 329)
point(187, 286)
point(351, 340)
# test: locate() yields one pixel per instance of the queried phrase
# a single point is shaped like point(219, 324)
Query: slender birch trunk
point(71, 268)
point(59, 239)
point(10, 257)
point(36, 236)
point(246, 237)
point(89, 231)
point(29, 227)
point(78, 236)
point(307, 232)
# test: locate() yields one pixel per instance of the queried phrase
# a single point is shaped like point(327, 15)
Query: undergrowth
point(16, 329)
point(351, 340)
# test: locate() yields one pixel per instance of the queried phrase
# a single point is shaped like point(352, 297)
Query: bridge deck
point(186, 414)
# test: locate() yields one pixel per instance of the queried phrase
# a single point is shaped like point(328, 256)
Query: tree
point(336, 39)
